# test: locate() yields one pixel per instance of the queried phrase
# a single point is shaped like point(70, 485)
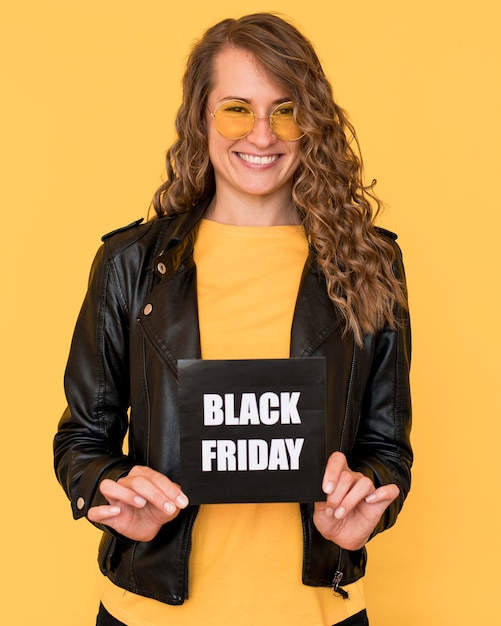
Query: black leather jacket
point(138, 318)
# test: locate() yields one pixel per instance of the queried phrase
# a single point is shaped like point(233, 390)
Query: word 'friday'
point(251, 454)
point(269, 409)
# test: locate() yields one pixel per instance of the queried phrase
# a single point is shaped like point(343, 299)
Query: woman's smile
point(258, 160)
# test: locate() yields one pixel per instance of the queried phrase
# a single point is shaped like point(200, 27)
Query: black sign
point(252, 430)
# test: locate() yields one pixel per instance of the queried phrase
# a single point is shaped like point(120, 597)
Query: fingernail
point(338, 513)
point(169, 507)
point(114, 510)
point(139, 501)
point(370, 498)
point(329, 487)
point(182, 501)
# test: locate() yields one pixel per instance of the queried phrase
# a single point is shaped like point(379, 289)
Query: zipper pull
point(337, 589)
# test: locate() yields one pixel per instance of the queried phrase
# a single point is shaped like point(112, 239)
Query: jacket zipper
point(348, 399)
point(186, 547)
point(338, 574)
point(186, 544)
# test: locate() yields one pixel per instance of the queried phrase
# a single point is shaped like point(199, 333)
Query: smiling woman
point(263, 246)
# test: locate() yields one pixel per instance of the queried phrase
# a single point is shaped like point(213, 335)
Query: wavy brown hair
point(336, 208)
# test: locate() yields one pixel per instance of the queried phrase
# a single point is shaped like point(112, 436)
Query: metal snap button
point(80, 503)
point(148, 309)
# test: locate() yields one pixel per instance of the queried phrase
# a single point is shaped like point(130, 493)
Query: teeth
point(256, 160)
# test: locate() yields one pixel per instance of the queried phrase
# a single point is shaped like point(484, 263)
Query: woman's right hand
point(139, 503)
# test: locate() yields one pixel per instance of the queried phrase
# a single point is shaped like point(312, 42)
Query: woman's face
point(260, 165)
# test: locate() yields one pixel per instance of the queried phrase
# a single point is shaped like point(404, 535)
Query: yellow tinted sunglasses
point(234, 119)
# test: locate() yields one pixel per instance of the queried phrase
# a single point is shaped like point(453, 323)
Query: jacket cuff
point(381, 475)
point(87, 494)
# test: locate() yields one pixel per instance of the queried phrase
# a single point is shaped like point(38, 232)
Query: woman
point(263, 246)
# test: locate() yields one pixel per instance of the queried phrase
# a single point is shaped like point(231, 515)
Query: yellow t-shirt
point(246, 560)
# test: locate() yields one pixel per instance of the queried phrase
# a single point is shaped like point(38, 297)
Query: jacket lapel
point(169, 317)
point(315, 317)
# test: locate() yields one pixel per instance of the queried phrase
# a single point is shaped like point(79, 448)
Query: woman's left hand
point(353, 506)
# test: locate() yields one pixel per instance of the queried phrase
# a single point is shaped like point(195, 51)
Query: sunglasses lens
point(283, 123)
point(234, 119)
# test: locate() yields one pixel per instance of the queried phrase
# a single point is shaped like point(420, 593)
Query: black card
point(252, 430)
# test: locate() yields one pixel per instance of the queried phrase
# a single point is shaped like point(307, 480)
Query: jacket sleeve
point(382, 448)
point(88, 443)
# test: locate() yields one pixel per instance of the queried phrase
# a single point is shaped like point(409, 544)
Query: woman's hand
point(139, 503)
point(353, 506)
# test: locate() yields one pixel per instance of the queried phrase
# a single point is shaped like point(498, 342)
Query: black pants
point(359, 619)
point(105, 619)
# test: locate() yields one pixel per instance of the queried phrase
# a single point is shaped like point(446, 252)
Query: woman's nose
point(261, 135)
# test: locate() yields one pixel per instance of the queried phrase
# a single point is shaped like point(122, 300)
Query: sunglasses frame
point(256, 117)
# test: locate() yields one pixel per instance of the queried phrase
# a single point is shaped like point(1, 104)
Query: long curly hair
point(335, 207)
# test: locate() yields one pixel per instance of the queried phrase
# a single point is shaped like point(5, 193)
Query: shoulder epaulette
point(122, 229)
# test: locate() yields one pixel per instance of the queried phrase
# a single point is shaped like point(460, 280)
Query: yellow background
point(89, 89)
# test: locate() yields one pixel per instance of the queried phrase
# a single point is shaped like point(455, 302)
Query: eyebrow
point(248, 101)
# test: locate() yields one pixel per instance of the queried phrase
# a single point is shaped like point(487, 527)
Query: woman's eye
point(237, 108)
point(286, 111)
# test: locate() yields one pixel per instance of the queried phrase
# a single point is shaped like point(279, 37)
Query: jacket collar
point(185, 222)
point(315, 316)
point(174, 248)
